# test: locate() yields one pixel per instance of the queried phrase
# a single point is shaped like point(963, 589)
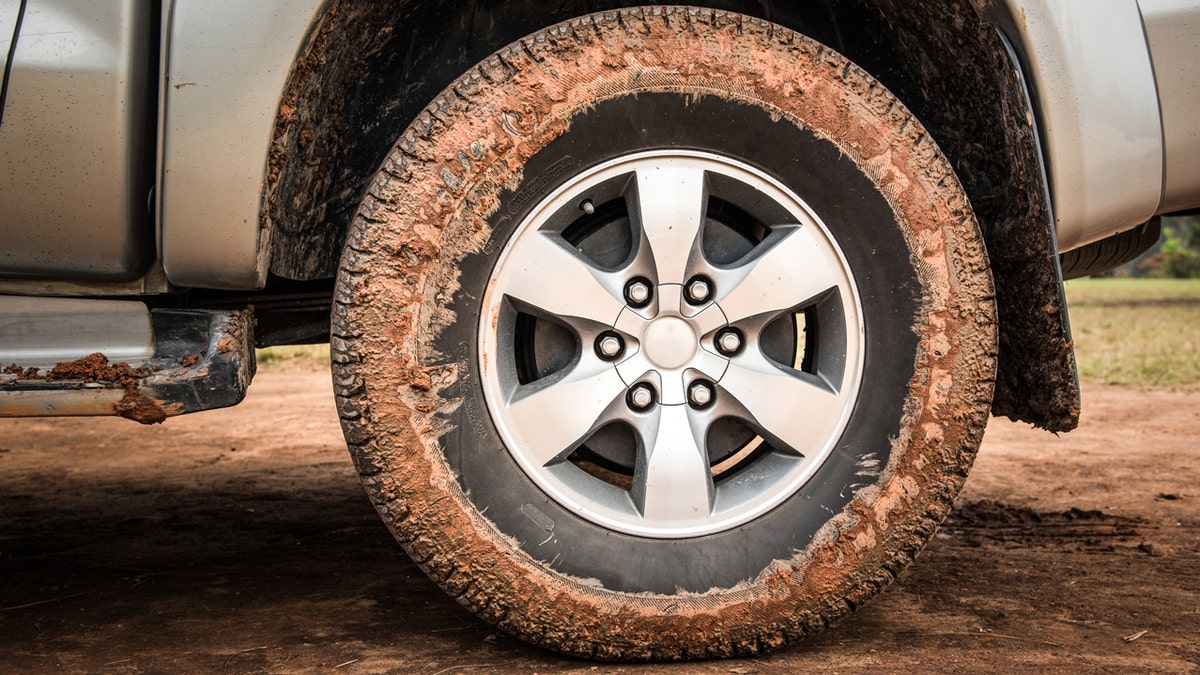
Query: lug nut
point(698, 290)
point(700, 394)
point(609, 346)
point(729, 341)
point(641, 396)
point(637, 292)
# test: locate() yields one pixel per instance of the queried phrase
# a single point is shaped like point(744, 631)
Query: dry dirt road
point(239, 541)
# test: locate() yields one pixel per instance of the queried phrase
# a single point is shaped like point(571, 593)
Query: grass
point(293, 358)
point(1139, 333)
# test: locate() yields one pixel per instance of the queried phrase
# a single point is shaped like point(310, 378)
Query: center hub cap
point(670, 342)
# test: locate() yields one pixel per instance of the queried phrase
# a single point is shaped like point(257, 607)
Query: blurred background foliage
point(1175, 256)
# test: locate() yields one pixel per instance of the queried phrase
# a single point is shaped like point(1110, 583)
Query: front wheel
point(665, 333)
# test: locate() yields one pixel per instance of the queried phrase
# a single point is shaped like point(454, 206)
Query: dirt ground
point(240, 541)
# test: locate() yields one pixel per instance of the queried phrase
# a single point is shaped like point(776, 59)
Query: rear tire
point(836, 246)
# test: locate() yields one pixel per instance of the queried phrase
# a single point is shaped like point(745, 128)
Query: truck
point(656, 332)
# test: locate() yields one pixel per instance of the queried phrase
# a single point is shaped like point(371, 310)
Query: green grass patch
point(1141, 333)
point(293, 358)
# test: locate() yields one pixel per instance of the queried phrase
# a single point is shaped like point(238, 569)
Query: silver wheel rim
point(671, 344)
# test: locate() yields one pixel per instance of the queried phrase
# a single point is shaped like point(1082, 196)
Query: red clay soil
point(239, 541)
point(96, 368)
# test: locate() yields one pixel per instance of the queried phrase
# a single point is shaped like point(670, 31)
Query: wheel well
point(370, 68)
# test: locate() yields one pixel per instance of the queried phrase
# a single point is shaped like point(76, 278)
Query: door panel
point(10, 11)
point(75, 173)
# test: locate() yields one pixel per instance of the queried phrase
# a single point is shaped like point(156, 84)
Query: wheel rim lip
point(568, 494)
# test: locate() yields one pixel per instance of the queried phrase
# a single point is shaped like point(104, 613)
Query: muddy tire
point(664, 334)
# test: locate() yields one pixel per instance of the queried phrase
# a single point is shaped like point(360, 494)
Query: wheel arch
point(368, 70)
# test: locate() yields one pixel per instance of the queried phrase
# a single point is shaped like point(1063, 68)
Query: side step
point(144, 365)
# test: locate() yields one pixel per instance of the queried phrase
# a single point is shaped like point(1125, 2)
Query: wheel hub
point(669, 342)
point(646, 339)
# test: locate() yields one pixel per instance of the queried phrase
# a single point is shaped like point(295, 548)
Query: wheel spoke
point(634, 367)
point(792, 410)
point(708, 319)
point(670, 204)
point(553, 420)
point(546, 274)
point(674, 484)
point(710, 365)
point(791, 266)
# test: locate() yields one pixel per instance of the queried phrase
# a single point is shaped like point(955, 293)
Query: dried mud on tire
point(239, 541)
point(407, 387)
